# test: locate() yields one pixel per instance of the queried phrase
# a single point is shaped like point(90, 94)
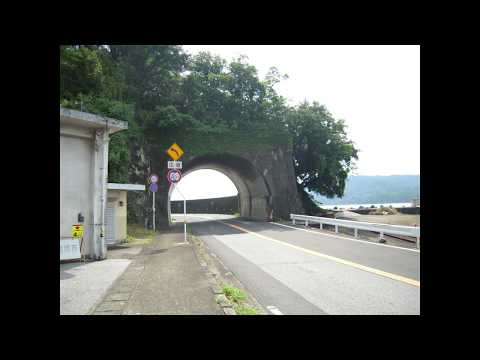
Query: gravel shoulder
point(397, 219)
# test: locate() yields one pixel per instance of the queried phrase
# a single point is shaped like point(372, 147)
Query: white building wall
point(84, 142)
point(76, 156)
point(83, 185)
point(114, 197)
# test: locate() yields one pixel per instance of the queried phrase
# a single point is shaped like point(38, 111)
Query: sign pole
point(153, 188)
point(184, 213)
point(153, 206)
point(184, 219)
point(174, 176)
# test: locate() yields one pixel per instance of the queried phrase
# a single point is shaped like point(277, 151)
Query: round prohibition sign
point(174, 176)
point(153, 179)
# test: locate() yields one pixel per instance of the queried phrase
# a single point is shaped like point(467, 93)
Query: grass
point(139, 231)
point(245, 310)
point(138, 235)
point(234, 294)
point(238, 297)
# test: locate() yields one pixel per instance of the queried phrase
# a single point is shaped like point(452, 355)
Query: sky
point(204, 183)
point(375, 89)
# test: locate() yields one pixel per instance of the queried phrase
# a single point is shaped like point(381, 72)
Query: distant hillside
point(377, 189)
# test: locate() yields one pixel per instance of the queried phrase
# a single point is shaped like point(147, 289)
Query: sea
point(356, 206)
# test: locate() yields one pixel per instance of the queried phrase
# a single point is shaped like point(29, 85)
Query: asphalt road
point(300, 271)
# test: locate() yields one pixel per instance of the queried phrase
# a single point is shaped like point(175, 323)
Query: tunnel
point(255, 198)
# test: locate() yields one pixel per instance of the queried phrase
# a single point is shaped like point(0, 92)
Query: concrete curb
point(215, 277)
point(212, 274)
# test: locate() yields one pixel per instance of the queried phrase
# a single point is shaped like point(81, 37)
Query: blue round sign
point(153, 187)
point(174, 176)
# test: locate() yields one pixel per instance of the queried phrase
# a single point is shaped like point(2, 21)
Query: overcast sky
point(375, 89)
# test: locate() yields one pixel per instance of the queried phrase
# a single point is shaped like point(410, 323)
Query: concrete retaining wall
point(224, 205)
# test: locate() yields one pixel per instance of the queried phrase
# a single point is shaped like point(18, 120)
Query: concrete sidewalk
point(82, 285)
point(164, 279)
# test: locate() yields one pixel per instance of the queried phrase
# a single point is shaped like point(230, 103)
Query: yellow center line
point(333, 258)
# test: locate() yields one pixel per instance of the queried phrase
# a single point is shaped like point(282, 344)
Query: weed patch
point(234, 294)
point(237, 297)
point(243, 309)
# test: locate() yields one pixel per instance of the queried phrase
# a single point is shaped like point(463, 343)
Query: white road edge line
point(274, 310)
point(317, 233)
point(345, 238)
point(201, 217)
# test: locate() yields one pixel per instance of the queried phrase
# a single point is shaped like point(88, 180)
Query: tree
point(220, 95)
point(80, 71)
point(323, 155)
point(152, 73)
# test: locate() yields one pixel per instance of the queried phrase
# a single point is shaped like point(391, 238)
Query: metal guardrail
point(412, 231)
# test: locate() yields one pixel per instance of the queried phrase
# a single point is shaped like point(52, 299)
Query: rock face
point(276, 168)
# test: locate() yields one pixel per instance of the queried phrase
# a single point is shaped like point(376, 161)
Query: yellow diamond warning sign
point(77, 231)
point(175, 152)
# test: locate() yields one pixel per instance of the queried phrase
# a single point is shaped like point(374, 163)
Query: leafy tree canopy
point(323, 155)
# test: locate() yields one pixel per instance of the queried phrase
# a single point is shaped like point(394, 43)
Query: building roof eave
point(84, 119)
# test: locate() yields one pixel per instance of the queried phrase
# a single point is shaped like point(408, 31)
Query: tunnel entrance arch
point(255, 198)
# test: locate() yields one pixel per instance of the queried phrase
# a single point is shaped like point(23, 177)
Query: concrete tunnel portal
point(255, 198)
